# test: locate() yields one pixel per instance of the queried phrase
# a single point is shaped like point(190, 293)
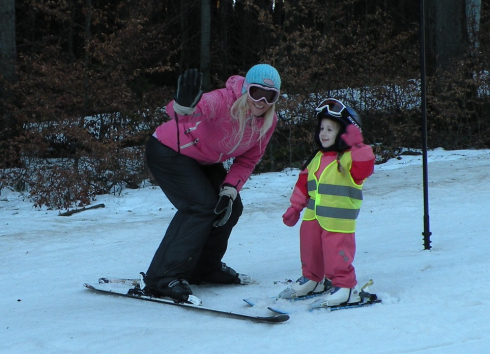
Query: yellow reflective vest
point(335, 199)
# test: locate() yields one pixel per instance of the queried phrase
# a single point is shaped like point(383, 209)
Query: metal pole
point(426, 232)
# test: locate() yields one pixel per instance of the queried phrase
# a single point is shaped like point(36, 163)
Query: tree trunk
point(88, 21)
point(205, 43)
point(8, 52)
point(10, 128)
point(70, 34)
point(446, 33)
point(473, 14)
point(224, 7)
point(184, 40)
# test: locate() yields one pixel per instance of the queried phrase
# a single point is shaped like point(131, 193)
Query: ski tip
point(280, 312)
point(250, 301)
point(272, 319)
point(281, 318)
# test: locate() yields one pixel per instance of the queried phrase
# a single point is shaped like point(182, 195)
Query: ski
point(253, 301)
point(286, 306)
point(136, 293)
point(330, 308)
point(126, 281)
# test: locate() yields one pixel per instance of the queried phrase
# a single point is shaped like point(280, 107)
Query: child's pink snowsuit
point(326, 254)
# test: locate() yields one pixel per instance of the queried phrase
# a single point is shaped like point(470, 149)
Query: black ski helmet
point(337, 111)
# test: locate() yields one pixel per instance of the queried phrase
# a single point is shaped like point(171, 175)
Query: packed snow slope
point(434, 301)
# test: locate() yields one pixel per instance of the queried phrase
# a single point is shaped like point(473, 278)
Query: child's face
point(328, 132)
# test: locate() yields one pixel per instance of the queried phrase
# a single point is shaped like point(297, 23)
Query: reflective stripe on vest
point(330, 212)
point(335, 200)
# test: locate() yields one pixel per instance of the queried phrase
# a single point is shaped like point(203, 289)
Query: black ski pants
point(191, 247)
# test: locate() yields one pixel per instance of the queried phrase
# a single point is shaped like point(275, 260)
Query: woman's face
point(328, 132)
point(258, 108)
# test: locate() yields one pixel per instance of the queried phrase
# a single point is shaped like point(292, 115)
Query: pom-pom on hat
point(262, 74)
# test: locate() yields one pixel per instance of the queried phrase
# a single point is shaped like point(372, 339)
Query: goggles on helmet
point(331, 106)
point(258, 93)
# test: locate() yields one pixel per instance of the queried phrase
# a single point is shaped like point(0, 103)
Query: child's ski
point(287, 306)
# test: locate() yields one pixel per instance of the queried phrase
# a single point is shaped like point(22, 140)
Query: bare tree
point(224, 8)
point(205, 42)
point(184, 34)
point(473, 13)
point(8, 52)
point(446, 36)
point(9, 127)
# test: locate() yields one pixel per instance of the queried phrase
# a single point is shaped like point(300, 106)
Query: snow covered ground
point(433, 301)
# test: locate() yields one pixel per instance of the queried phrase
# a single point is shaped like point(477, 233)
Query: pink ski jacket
point(209, 135)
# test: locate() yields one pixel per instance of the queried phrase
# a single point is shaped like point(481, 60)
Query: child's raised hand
point(352, 136)
point(291, 216)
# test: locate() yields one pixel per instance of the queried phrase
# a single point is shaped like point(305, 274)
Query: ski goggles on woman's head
point(332, 107)
point(258, 93)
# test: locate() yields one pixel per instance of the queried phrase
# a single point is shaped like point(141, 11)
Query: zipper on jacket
point(190, 144)
point(188, 130)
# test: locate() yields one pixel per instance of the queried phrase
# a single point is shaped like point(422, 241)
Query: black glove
point(225, 204)
point(189, 88)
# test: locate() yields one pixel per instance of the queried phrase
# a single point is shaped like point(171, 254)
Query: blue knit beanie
point(262, 74)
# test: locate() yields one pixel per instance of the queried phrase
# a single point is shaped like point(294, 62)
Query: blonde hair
point(240, 112)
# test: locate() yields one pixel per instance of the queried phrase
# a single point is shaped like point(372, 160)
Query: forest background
point(83, 82)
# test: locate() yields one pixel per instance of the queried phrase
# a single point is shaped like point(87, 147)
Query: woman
point(185, 157)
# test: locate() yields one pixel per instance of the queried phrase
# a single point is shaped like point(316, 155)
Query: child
point(330, 188)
